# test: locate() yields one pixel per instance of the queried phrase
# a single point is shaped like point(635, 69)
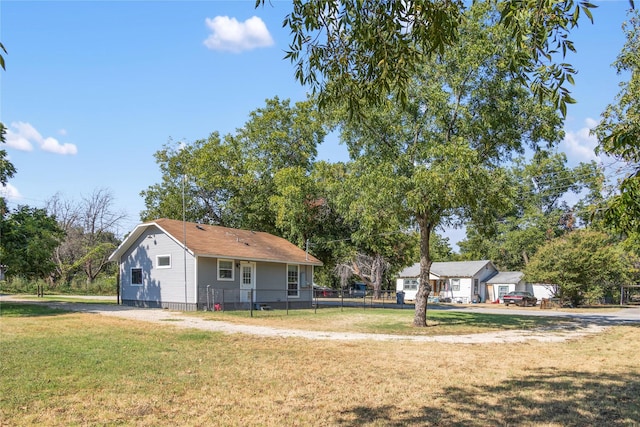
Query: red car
point(522, 299)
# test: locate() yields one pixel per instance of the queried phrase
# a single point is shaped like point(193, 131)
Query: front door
point(247, 281)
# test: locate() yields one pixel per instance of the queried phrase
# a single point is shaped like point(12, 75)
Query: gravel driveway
point(585, 324)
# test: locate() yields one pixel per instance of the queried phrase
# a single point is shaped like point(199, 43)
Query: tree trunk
point(424, 287)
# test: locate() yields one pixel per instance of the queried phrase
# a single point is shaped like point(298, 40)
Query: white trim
point(140, 229)
point(195, 279)
point(158, 261)
point(274, 261)
point(225, 279)
point(297, 281)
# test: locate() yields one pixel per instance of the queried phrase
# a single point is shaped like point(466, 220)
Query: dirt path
point(177, 319)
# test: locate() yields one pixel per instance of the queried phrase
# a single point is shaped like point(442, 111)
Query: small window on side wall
point(136, 277)
point(225, 269)
point(293, 283)
point(163, 261)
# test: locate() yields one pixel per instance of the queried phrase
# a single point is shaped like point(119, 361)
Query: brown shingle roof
point(216, 241)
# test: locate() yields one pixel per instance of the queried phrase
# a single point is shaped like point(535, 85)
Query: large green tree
point(229, 181)
point(435, 160)
point(363, 50)
point(316, 210)
point(585, 265)
point(619, 132)
point(29, 237)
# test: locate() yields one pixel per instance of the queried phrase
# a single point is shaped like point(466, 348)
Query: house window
point(410, 285)
point(475, 286)
point(502, 291)
point(136, 277)
point(163, 261)
point(225, 269)
point(455, 285)
point(293, 284)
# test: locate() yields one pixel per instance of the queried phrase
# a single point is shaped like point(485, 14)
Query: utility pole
point(184, 239)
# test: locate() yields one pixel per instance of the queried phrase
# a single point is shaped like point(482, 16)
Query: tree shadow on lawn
point(567, 398)
point(494, 321)
point(21, 309)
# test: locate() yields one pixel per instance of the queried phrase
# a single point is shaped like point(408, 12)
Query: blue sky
point(93, 89)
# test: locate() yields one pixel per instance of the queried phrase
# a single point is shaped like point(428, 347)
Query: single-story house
point(187, 266)
point(509, 281)
point(458, 281)
point(505, 282)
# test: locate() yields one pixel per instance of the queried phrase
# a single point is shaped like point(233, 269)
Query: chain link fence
point(253, 300)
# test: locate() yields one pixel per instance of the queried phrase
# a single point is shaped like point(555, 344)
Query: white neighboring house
point(503, 283)
point(458, 281)
point(186, 266)
point(509, 281)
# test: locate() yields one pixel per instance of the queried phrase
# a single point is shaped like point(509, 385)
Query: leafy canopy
point(585, 265)
point(362, 51)
point(29, 237)
point(435, 160)
point(619, 132)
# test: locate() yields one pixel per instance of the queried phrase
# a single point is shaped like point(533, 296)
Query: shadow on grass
point(567, 398)
point(18, 309)
point(492, 321)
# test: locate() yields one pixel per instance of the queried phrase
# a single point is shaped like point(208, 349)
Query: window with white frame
point(136, 277)
point(410, 285)
point(225, 269)
point(293, 282)
point(163, 261)
point(502, 291)
point(455, 285)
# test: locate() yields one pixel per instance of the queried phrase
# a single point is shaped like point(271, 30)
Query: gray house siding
point(161, 286)
point(156, 270)
point(212, 290)
point(270, 281)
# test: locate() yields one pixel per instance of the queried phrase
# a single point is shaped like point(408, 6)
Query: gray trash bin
point(400, 298)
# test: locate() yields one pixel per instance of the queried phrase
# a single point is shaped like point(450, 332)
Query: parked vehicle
point(522, 299)
point(358, 290)
point(324, 292)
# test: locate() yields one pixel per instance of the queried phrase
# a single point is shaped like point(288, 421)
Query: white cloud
point(53, 146)
point(232, 36)
point(580, 145)
point(10, 192)
point(17, 141)
point(22, 136)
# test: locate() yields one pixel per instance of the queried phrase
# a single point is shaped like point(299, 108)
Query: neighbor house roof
point(448, 269)
point(216, 241)
point(506, 277)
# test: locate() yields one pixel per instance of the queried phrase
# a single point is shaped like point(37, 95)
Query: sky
point(92, 89)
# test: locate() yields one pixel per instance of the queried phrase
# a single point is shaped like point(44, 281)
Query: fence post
point(251, 302)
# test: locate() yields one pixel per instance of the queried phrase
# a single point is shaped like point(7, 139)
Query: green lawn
point(384, 321)
point(60, 368)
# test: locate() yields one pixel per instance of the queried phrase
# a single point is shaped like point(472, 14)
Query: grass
point(61, 368)
point(28, 310)
point(70, 298)
point(384, 321)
